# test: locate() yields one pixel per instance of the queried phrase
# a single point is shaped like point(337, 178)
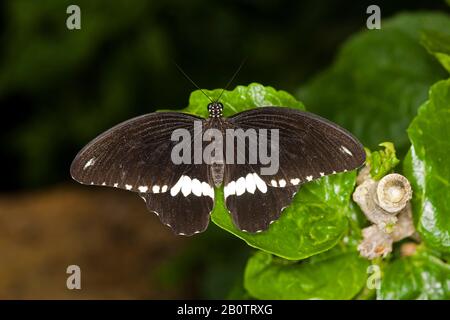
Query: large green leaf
point(438, 44)
point(335, 274)
point(378, 80)
point(427, 167)
point(421, 276)
point(313, 223)
point(317, 218)
point(240, 99)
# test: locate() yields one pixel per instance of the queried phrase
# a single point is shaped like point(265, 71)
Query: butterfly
point(136, 155)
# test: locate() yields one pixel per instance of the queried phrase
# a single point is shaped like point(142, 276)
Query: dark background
point(60, 88)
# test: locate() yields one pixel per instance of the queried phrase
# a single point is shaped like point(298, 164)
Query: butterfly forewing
point(309, 146)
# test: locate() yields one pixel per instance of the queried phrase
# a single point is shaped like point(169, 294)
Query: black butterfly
point(136, 155)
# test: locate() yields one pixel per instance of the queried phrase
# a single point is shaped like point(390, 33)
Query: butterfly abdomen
point(217, 170)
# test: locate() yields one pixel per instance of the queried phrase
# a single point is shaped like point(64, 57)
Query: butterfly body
point(216, 121)
point(137, 155)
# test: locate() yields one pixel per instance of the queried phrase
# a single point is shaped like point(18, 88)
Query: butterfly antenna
point(232, 78)
point(192, 81)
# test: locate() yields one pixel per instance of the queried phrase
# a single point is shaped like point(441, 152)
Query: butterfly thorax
point(215, 109)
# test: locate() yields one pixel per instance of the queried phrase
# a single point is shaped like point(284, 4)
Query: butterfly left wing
point(309, 147)
point(136, 156)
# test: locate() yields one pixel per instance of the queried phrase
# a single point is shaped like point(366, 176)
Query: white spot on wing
point(164, 188)
point(295, 181)
point(282, 183)
point(186, 187)
point(91, 162)
point(177, 187)
point(309, 178)
point(196, 187)
point(104, 184)
point(322, 174)
point(240, 186)
point(250, 183)
point(274, 183)
point(345, 150)
point(155, 189)
point(230, 189)
point(128, 186)
point(116, 185)
point(262, 186)
point(207, 190)
point(143, 188)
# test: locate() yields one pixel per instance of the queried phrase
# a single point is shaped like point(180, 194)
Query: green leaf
point(421, 276)
point(438, 44)
point(335, 274)
point(313, 223)
point(317, 218)
point(240, 99)
point(383, 161)
point(427, 167)
point(379, 79)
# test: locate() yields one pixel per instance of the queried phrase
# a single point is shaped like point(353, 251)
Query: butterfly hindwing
point(252, 203)
point(136, 156)
point(187, 204)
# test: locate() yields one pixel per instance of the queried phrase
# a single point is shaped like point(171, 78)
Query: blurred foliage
point(379, 79)
point(383, 161)
point(438, 44)
point(212, 266)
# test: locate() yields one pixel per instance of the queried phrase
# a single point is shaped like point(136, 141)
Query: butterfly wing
point(309, 147)
point(186, 206)
point(136, 156)
point(253, 203)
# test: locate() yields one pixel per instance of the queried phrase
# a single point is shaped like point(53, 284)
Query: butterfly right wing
point(136, 156)
point(309, 146)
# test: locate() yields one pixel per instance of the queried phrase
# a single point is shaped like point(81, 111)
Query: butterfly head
point(215, 109)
